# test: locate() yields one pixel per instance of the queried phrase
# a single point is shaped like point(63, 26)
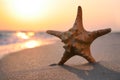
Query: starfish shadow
point(93, 72)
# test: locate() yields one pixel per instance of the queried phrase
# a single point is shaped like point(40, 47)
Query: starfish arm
point(87, 55)
point(101, 32)
point(65, 57)
point(55, 33)
point(79, 16)
point(78, 25)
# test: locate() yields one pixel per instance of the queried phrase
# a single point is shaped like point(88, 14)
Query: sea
point(13, 41)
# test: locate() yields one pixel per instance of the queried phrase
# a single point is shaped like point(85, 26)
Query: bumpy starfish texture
point(77, 40)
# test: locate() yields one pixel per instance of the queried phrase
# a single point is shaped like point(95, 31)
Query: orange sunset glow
point(41, 15)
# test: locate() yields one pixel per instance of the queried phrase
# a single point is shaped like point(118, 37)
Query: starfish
point(77, 40)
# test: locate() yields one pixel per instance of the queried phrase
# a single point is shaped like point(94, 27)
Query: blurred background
point(23, 22)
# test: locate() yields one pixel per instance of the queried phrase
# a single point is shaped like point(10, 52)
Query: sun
point(28, 9)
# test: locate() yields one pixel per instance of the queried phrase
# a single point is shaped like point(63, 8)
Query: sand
point(39, 63)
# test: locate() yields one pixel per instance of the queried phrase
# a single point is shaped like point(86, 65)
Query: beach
point(40, 63)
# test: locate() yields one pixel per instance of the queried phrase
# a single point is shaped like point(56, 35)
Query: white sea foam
point(16, 41)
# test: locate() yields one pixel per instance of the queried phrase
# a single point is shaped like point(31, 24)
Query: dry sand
point(38, 63)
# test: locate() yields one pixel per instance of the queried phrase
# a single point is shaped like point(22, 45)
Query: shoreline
point(12, 48)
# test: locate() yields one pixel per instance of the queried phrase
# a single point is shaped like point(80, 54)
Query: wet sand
point(39, 63)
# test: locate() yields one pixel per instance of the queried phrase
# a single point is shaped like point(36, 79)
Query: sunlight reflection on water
point(24, 35)
point(36, 43)
point(32, 44)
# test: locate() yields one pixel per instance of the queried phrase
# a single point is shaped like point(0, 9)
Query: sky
point(42, 15)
